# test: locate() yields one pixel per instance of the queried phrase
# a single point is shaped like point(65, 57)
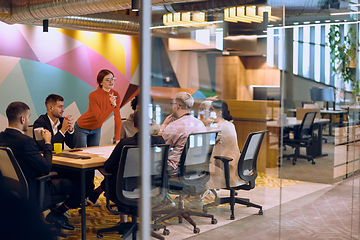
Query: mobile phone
point(75, 150)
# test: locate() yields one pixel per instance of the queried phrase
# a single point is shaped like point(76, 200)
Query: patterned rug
point(100, 217)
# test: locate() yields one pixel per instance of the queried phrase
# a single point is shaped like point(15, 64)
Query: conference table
point(98, 156)
point(274, 128)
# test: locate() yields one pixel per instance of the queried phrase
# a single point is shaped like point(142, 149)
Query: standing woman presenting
point(102, 102)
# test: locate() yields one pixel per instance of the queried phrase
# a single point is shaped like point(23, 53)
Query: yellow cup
point(57, 147)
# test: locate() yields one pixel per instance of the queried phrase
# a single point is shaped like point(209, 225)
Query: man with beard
point(61, 128)
point(177, 127)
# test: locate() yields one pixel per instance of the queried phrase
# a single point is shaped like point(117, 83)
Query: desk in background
point(331, 113)
point(274, 131)
point(98, 157)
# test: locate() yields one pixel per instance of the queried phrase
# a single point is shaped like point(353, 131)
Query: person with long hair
point(102, 102)
point(226, 145)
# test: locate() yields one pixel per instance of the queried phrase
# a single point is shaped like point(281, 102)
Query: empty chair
point(247, 173)
point(303, 137)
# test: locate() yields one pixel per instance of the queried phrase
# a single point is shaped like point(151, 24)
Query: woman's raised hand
point(113, 100)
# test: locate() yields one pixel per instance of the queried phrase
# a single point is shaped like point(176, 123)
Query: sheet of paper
point(103, 151)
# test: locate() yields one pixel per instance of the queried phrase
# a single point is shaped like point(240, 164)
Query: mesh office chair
point(193, 174)
point(303, 137)
point(127, 188)
point(247, 172)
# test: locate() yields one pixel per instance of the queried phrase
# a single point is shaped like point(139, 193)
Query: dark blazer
point(112, 164)
point(43, 121)
point(26, 152)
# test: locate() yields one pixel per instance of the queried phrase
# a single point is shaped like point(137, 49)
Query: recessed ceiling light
point(337, 20)
point(307, 22)
point(296, 23)
point(317, 21)
point(327, 21)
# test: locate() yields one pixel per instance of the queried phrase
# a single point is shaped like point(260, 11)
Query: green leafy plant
point(343, 55)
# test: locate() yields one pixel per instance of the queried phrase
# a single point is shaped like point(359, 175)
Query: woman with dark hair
point(102, 102)
point(127, 129)
point(226, 145)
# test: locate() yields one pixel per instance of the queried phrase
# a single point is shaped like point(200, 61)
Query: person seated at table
point(127, 126)
point(112, 163)
point(34, 165)
point(127, 129)
point(60, 127)
point(177, 127)
point(226, 145)
point(204, 112)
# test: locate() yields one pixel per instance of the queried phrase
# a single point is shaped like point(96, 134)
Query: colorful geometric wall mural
point(34, 64)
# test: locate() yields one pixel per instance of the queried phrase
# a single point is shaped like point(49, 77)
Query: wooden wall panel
point(235, 74)
point(230, 72)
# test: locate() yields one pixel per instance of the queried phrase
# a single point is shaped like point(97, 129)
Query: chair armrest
point(226, 161)
point(223, 159)
point(45, 177)
point(42, 181)
point(104, 172)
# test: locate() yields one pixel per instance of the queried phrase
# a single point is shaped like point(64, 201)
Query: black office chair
point(193, 174)
point(303, 137)
point(13, 177)
point(247, 171)
point(127, 188)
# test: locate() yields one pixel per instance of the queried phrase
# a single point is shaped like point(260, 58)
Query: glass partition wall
point(320, 75)
point(273, 68)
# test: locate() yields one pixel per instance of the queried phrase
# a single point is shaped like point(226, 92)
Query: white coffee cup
point(38, 133)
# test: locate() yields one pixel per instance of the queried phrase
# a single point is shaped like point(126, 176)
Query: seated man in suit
point(61, 128)
point(33, 164)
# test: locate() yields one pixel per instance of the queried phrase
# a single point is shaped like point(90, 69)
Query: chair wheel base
point(261, 212)
point(99, 236)
point(166, 232)
point(214, 221)
point(196, 230)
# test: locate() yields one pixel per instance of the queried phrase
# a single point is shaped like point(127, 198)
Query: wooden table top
point(98, 157)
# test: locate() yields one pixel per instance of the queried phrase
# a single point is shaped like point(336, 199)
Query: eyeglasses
point(172, 104)
point(110, 79)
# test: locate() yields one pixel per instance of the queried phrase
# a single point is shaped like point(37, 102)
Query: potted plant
point(343, 54)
